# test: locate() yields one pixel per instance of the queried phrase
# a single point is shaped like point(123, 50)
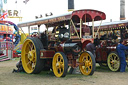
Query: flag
point(4, 15)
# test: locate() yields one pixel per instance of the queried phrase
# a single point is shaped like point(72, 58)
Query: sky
point(36, 7)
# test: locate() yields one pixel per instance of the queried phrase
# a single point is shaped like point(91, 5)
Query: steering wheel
point(35, 34)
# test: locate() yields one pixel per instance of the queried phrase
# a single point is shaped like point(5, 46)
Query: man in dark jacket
point(91, 47)
point(121, 52)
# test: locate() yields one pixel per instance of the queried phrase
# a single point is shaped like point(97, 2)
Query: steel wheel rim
point(113, 62)
point(85, 61)
point(28, 56)
point(58, 65)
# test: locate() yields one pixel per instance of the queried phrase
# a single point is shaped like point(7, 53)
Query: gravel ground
point(102, 76)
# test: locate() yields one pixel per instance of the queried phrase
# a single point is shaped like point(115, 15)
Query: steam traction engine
point(62, 43)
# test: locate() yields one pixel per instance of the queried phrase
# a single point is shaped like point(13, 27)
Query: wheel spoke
point(90, 64)
point(26, 54)
point(114, 57)
point(62, 65)
point(29, 46)
point(112, 65)
point(32, 47)
point(89, 69)
point(61, 60)
point(90, 60)
point(111, 58)
point(33, 65)
point(57, 67)
point(115, 66)
point(28, 59)
point(83, 67)
point(86, 58)
point(34, 52)
point(28, 63)
point(57, 60)
point(60, 70)
point(86, 69)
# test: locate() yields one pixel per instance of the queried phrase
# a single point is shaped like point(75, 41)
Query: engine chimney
point(70, 5)
point(122, 9)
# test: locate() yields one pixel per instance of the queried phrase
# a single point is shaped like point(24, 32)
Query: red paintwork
point(47, 53)
point(90, 14)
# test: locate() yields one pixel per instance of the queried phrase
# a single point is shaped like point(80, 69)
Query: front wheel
point(113, 61)
point(87, 63)
point(30, 55)
point(60, 64)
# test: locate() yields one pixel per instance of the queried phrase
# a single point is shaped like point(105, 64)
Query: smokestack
point(70, 5)
point(122, 9)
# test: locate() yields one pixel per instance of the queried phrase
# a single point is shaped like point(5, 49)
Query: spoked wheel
point(60, 64)
point(30, 55)
point(113, 61)
point(87, 63)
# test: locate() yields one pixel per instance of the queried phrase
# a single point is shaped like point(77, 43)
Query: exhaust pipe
point(122, 9)
point(70, 5)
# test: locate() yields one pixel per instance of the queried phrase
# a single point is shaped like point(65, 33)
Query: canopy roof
point(75, 15)
point(112, 25)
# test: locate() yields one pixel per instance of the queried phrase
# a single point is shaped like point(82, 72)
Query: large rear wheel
point(113, 61)
point(60, 64)
point(30, 55)
point(87, 63)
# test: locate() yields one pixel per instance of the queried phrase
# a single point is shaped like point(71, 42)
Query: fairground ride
point(6, 39)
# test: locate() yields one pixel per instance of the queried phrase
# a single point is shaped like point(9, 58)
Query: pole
point(93, 28)
point(1, 7)
point(122, 9)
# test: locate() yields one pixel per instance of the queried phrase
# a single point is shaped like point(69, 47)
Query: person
point(91, 47)
point(44, 39)
point(110, 35)
point(19, 67)
point(124, 34)
point(97, 41)
point(121, 52)
point(104, 37)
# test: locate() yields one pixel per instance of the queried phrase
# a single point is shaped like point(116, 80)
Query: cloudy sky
point(36, 7)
